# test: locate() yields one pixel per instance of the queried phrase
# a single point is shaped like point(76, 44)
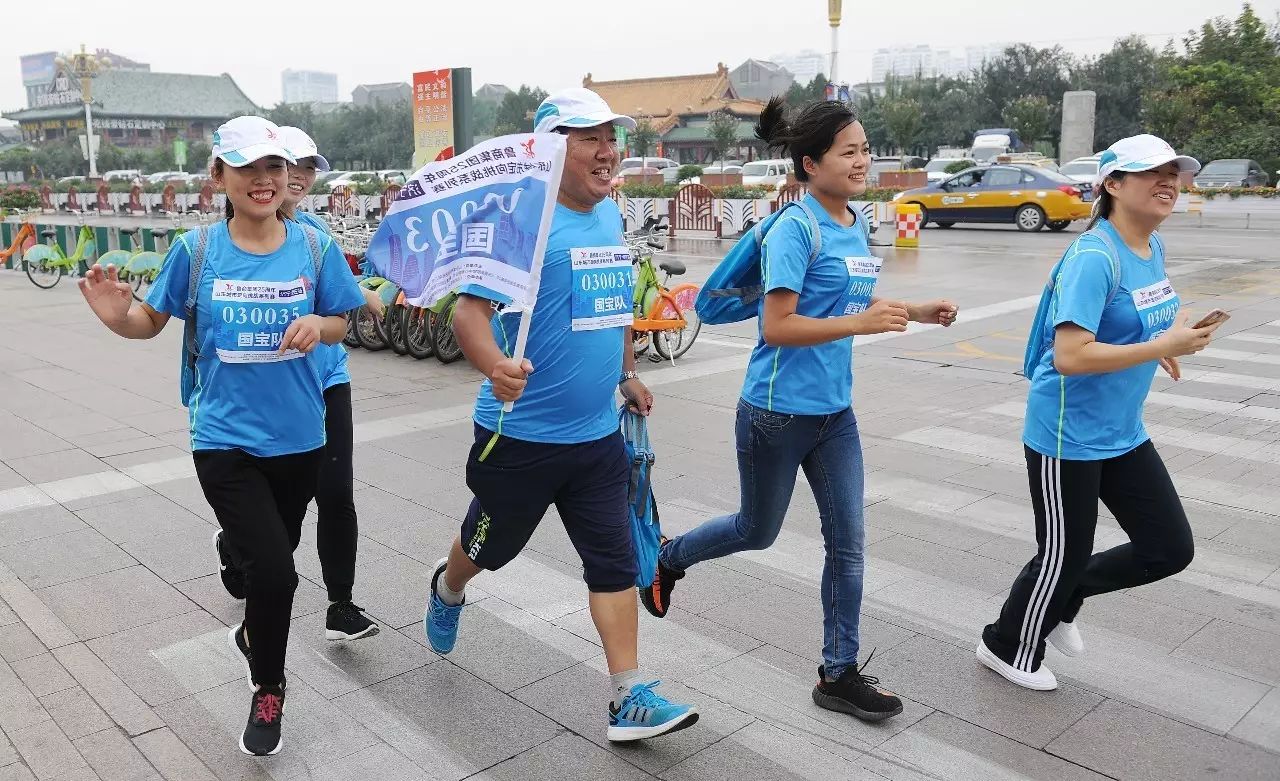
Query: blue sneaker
point(647, 714)
point(440, 620)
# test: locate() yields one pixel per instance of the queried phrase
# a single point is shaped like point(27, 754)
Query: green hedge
point(1234, 192)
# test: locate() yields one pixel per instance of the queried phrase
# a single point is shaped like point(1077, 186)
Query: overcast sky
point(553, 44)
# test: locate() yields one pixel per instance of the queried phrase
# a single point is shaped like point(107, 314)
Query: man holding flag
point(557, 441)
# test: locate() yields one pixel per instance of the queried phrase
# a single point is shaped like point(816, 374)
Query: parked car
point(937, 168)
point(881, 164)
point(168, 176)
point(351, 179)
point(716, 169)
point(1030, 197)
point(1083, 169)
point(1232, 173)
point(652, 161)
point(122, 175)
point(394, 175)
point(770, 173)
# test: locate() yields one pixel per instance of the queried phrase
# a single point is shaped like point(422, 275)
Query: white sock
point(622, 683)
point(448, 596)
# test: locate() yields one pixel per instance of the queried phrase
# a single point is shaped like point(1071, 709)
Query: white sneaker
point(1066, 638)
point(1041, 680)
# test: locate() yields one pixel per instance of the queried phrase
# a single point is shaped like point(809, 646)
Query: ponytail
point(810, 134)
point(1104, 203)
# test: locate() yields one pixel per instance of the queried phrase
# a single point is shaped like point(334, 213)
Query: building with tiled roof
point(135, 108)
point(678, 108)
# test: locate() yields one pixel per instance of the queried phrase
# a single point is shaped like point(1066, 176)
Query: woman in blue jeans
point(795, 410)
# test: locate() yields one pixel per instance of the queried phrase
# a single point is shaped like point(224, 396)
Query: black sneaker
point(232, 577)
point(240, 650)
point(261, 736)
point(657, 597)
point(346, 621)
point(855, 694)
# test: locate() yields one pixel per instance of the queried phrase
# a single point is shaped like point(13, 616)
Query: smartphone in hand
point(1214, 317)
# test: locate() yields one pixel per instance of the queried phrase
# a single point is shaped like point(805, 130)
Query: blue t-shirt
point(575, 338)
point(815, 380)
point(1088, 417)
point(246, 395)
point(331, 358)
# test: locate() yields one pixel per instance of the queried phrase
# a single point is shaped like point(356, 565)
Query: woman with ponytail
point(795, 410)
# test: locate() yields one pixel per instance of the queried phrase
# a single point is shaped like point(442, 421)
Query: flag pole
point(539, 249)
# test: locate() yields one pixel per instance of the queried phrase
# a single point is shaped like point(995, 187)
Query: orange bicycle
point(22, 241)
point(663, 317)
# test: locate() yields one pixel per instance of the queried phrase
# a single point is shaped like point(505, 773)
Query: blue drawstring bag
point(645, 529)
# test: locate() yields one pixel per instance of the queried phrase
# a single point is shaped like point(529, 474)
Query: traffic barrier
point(908, 222)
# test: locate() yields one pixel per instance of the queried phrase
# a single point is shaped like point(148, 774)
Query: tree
point(199, 153)
point(484, 115)
point(1221, 98)
point(1024, 71)
point(59, 158)
point(902, 122)
point(299, 115)
point(722, 129)
point(643, 138)
point(816, 89)
point(1030, 116)
point(517, 109)
point(1119, 78)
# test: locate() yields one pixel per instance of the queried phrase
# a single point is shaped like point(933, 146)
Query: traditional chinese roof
point(121, 93)
point(665, 98)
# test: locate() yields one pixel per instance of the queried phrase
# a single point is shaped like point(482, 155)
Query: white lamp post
point(833, 16)
point(85, 66)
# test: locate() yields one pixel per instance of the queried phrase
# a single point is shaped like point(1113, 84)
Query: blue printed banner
point(479, 218)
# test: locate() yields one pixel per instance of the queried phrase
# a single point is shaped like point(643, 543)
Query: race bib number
point(1157, 306)
point(863, 273)
point(602, 288)
point(250, 318)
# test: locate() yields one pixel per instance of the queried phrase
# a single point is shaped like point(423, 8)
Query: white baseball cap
point(300, 144)
point(576, 107)
point(1141, 153)
point(240, 141)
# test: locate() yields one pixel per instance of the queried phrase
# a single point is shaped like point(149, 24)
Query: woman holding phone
point(1111, 317)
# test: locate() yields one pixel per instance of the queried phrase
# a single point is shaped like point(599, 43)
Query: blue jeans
point(772, 447)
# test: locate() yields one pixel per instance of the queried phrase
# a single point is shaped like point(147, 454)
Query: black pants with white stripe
point(1136, 488)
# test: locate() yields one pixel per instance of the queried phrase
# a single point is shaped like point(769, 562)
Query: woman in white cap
point(1108, 317)
point(336, 530)
point(257, 292)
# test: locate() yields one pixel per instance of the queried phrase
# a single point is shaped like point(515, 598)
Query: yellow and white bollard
point(907, 220)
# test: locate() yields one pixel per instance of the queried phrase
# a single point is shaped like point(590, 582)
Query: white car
point(770, 173)
point(351, 179)
point(166, 176)
point(122, 175)
point(1082, 169)
point(937, 168)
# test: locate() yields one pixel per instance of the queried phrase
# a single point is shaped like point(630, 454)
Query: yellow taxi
point(1031, 197)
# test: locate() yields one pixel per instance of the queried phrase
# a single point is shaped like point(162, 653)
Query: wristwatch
point(628, 375)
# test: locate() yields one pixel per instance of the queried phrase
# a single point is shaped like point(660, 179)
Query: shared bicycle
point(664, 317)
point(47, 263)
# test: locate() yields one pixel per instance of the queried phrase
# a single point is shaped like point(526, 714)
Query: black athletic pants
point(336, 531)
point(1065, 572)
point(260, 504)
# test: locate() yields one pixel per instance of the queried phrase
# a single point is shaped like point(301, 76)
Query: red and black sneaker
point(261, 737)
point(657, 597)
